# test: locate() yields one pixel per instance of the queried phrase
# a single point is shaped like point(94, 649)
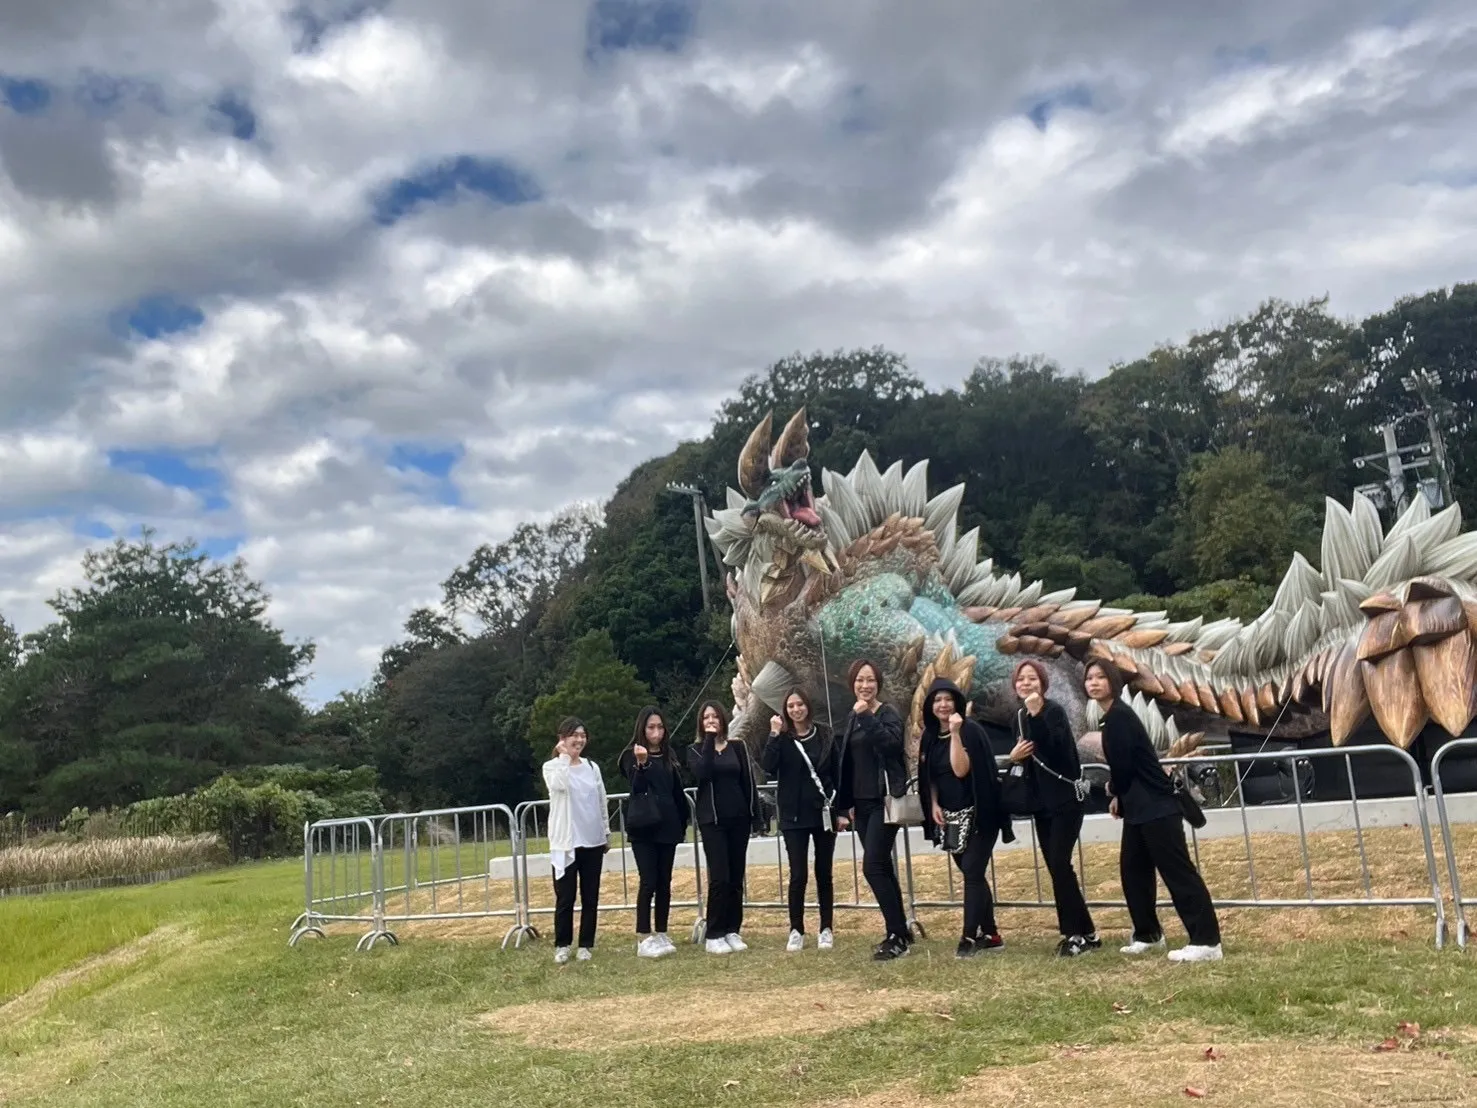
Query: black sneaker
point(1074, 945)
point(1092, 942)
point(890, 948)
point(987, 943)
point(967, 948)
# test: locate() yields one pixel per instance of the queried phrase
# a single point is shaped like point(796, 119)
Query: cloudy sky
point(349, 287)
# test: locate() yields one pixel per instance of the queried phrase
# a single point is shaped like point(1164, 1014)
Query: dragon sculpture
point(876, 568)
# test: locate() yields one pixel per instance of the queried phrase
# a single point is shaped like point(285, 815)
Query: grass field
point(186, 994)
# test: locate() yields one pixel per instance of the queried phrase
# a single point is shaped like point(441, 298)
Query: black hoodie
point(989, 812)
point(700, 762)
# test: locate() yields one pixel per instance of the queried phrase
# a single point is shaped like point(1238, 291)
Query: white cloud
point(795, 177)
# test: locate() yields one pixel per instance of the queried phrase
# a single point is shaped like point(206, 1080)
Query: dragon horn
point(793, 444)
point(753, 466)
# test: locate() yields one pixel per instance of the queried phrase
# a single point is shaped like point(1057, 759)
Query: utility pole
point(697, 522)
point(1395, 461)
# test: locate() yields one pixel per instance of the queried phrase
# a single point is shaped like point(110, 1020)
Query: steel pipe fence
point(1460, 900)
point(478, 863)
point(1239, 815)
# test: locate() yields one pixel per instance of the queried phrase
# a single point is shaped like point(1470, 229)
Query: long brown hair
point(639, 736)
point(787, 725)
point(722, 720)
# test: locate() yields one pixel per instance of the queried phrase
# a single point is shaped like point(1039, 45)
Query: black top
point(872, 756)
point(726, 789)
point(983, 784)
point(953, 793)
point(1056, 748)
point(796, 796)
point(659, 776)
point(1136, 777)
point(729, 800)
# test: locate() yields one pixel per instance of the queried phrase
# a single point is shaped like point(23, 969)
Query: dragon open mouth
point(800, 505)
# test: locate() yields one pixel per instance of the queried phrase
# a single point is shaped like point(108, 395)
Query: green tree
point(10, 647)
point(1235, 521)
point(602, 691)
point(160, 671)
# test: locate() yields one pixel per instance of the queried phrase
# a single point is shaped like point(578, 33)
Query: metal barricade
point(441, 865)
point(1240, 820)
point(342, 875)
point(1460, 901)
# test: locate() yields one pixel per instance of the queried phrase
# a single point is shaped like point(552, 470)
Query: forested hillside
point(1183, 479)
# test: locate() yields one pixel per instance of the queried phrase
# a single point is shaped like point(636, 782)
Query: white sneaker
point(1193, 953)
point(735, 943)
point(583, 954)
point(796, 943)
point(561, 955)
point(718, 946)
point(649, 947)
point(1137, 947)
point(825, 940)
point(666, 944)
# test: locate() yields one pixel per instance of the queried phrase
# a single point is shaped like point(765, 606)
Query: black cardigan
point(885, 729)
point(1056, 748)
point(795, 793)
point(700, 763)
point(1136, 776)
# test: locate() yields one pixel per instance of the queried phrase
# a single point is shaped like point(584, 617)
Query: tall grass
point(23, 866)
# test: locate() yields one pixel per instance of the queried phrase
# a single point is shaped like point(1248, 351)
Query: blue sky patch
point(494, 178)
point(155, 316)
point(434, 467)
point(221, 547)
point(93, 529)
point(1040, 109)
point(232, 113)
point(24, 95)
point(176, 470)
point(616, 25)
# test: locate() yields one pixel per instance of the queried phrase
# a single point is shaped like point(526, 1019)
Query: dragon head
point(771, 532)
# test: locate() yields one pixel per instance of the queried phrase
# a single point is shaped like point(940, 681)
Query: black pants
point(979, 905)
point(654, 864)
point(877, 837)
point(584, 870)
point(797, 848)
point(726, 849)
point(1056, 834)
point(1160, 845)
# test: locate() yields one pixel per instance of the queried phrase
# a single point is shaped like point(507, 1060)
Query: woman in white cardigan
point(579, 836)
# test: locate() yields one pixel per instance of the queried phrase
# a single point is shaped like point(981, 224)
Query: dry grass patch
point(1267, 1074)
point(707, 1015)
point(25, 866)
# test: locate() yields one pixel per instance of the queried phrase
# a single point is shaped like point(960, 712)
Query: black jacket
point(795, 793)
point(660, 776)
point(1135, 774)
point(1056, 748)
point(700, 763)
point(989, 812)
point(884, 728)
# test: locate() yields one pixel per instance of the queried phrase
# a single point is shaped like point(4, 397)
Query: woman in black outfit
point(651, 767)
point(872, 768)
point(805, 762)
point(727, 811)
point(1153, 829)
point(1046, 752)
point(957, 777)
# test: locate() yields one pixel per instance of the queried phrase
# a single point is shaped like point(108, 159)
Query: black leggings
point(584, 869)
point(726, 848)
point(654, 864)
point(877, 837)
point(1056, 835)
point(979, 905)
point(797, 846)
point(1160, 845)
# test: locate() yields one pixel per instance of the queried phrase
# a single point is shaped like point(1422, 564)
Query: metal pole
point(1396, 469)
point(697, 523)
